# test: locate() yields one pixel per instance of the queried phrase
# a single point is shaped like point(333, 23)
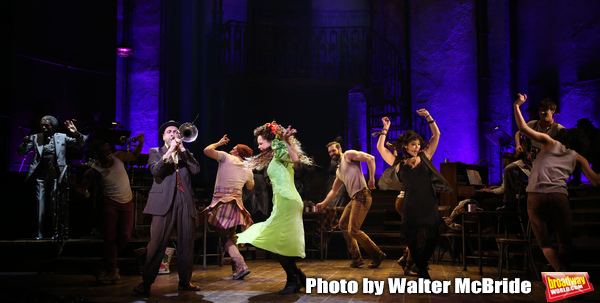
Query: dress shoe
point(241, 273)
point(142, 289)
point(356, 263)
point(189, 287)
point(377, 260)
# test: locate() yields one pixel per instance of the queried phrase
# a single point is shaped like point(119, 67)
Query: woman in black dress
point(421, 180)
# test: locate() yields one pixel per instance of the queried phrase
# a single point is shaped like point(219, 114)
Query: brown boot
point(357, 262)
point(405, 256)
point(377, 260)
point(241, 272)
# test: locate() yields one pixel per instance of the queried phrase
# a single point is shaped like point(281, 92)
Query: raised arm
point(385, 153)
point(132, 156)
point(352, 155)
point(80, 138)
point(291, 149)
point(211, 150)
point(435, 133)
point(524, 129)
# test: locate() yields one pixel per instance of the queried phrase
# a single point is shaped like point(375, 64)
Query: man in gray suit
point(171, 205)
point(49, 161)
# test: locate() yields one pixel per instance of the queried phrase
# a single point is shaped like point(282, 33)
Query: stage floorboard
point(261, 285)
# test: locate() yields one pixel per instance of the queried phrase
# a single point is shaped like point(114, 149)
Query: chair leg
point(507, 256)
point(326, 244)
point(452, 250)
point(530, 257)
point(500, 259)
point(439, 252)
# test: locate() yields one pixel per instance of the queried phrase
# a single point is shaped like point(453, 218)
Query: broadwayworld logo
point(562, 285)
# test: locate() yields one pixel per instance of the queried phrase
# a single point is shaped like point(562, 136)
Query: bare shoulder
point(351, 154)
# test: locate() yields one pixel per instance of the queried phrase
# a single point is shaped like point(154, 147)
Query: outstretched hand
point(70, 126)
point(521, 99)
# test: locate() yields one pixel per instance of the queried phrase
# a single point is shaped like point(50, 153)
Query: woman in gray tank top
point(547, 195)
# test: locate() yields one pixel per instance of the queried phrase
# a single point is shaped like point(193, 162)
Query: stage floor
point(261, 285)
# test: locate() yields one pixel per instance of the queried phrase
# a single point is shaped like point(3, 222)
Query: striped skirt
point(227, 209)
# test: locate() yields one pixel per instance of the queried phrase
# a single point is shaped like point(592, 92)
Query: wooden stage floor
point(261, 285)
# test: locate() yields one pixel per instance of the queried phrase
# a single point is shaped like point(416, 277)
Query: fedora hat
point(583, 122)
point(162, 128)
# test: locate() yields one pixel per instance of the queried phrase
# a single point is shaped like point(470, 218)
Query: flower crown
point(275, 128)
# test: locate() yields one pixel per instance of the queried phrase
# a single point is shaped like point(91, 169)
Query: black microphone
point(123, 139)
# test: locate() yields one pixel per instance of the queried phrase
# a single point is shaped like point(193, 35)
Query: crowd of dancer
point(171, 205)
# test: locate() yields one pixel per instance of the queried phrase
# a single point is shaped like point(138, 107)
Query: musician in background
point(49, 160)
point(527, 150)
point(117, 206)
point(547, 193)
point(171, 205)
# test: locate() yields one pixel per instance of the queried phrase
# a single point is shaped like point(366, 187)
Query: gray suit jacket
point(164, 185)
point(61, 142)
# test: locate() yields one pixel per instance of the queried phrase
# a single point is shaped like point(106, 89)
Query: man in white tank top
point(350, 173)
point(117, 211)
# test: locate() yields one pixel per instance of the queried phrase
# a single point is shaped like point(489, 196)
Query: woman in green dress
point(283, 232)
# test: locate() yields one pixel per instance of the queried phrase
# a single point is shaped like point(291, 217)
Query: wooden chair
point(503, 249)
point(451, 240)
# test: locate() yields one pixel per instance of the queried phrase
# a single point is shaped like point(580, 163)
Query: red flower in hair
point(275, 129)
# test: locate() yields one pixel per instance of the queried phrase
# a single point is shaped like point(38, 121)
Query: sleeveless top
point(420, 205)
point(551, 169)
point(351, 174)
point(115, 181)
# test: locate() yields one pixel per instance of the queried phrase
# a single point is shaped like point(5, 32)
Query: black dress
point(420, 204)
point(421, 218)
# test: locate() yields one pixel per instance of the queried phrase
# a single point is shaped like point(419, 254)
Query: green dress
point(283, 232)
